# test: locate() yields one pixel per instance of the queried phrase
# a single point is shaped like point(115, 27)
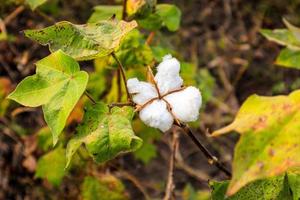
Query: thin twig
point(211, 159)
point(170, 182)
point(135, 181)
point(121, 68)
point(124, 12)
point(90, 97)
point(14, 14)
point(46, 17)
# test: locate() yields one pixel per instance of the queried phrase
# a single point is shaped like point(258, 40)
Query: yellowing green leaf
point(57, 86)
point(83, 42)
point(105, 12)
point(35, 3)
point(105, 134)
point(269, 143)
point(283, 37)
point(51, 166)
point(106, 187)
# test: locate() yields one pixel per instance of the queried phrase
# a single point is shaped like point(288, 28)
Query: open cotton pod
point(166, 99)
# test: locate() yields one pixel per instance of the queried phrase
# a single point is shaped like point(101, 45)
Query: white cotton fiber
point(156, 115)
point(185, 104)
point(141, 91)
point(167, 76)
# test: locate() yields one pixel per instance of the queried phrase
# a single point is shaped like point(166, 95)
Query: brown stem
point(212, 160)
point(119, 85)
point(150, 37)
point(124, 13)
point(90, 97)
point(121, 68)
point(170, 182)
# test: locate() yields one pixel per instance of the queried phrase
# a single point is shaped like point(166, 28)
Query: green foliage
point(280, 187)
point(107, 187)
point(148, 150)
point(83, 42)
point(290, 56)
point(170, 16)
point(44, 139)
point(57, 86)
point(35, 3)
point(165, 15)
point(134, 52)
point(294, 183)
point(189, 193)
point(269, 143)
point(51, 166)
point(105, 133)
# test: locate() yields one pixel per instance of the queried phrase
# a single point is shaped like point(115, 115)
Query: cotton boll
point(156, 115)
point(185, 104)
point(141, 91)
point(167, 76)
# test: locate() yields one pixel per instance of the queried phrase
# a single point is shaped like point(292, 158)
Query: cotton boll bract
point(142, 91)
point(185, 104)
point(167, 76)
point(156, 115)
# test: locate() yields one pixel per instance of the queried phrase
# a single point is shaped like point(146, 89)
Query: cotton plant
point(165, 100)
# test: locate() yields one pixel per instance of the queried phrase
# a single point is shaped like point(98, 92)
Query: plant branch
point(14, 14)
point(212, 160)
point(124, 12)
point(90, 97)
point(150, 37)
point(170, 182)
point(121, 104)
point(121, 68)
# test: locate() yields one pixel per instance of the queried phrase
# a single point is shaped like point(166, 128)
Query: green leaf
point(269, 143)
point(107, 187)
point(275, 188)
point(105, 12)
point(35, 3)
point(152, 22)
point(83, 42)
point(294, 182)
point(289, 58)
point(170, 15)
point(105, 134)
point(57, 86)
point(51, 166)
point(283, 37)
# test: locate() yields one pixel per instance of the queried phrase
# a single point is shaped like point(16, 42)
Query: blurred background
point(228, 59)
